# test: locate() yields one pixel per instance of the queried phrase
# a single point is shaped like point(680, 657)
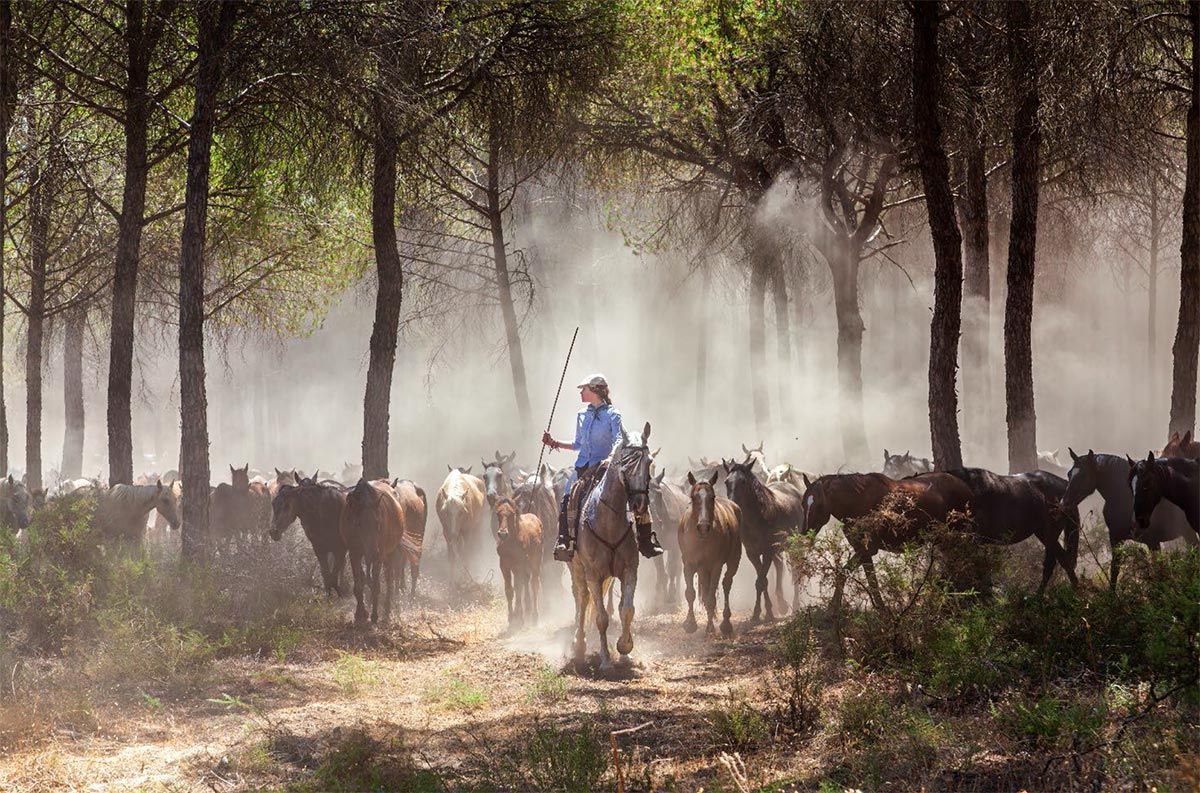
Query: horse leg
point(660, 580)
point(868, 565)
point(1114, 566)
point(760, 585)
point(769, 559)
point(628, 585)
point(1055, 551)
point(373, 572)
point(339, 571)
point(536, 586)
point(389, 574)
point(689, 573)
point(508, 591)
point(413, 569)
point(726, 583)
point(596, 590)
point(780, 601)
point(580, 590)
point(323, 564)
point(675, 566)
point(360, 580)
point(708, 592)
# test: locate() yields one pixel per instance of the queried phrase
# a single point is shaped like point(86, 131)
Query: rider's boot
point(647, 541)
point(564, 550)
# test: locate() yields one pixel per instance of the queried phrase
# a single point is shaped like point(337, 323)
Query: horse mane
point(130, 495)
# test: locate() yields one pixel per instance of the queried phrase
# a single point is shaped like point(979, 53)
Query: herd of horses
point(379, 525)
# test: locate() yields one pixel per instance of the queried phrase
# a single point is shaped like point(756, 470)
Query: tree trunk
point(384, 332)
point(702, 339)
point(73, 410)
point(843, 259)
point(214, 26)
point(512, 332)
point(1018, 309)
point(947, 242)
point(1152, 390)
point(783, 347)
point(973, 215)
point(129, 240)
point(1186, 349)
point(8, 99)
point(758, 352)
point(40, 199)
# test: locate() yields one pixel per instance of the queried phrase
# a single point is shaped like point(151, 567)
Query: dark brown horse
point(919, 502)
point(239, 512)
point(709, 540)
point(372, 528)
point(769, 514)
point(319, 510)
point(1175, 479)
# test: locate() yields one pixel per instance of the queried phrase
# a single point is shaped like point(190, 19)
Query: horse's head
point(505, 461)
point(1082, 479)
point(632, 458)
point(739, 477)
point(704, 501)
point(817, 511)
point(1148, 480)
point(657, 506)
point(896, 466)
point(166, 501)
point(451, 469)
point(506, 518)
point(16, 501)
point(1181, 446)
point(495, 481)
point(284, 510)
point(240, 477)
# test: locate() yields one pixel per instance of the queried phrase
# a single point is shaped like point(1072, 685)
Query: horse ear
point(160, 485)
point(1074, 456)
point(749, 458)
point(804, 476)
point(712, 480)
point(691, 479)
point(908, 453)
point(10, 479)
point(395, 482)
point(1187, 438)
point(645, 432)
point(660, 477)
point(744, 449)
point(1150, 456)
point(885, 454)
point(1129, 460)
point(1091, 455)
point(469, 467)
point(654, 453)
point(231, 468)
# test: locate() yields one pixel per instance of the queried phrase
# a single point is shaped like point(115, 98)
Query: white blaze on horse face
point(808, 501)
point(1133, 484)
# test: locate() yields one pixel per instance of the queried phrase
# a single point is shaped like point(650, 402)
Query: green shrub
point(548, 687)
point(571, 759)
point(1053, 721)
point(355, 760)
point(736, 723)
point(795, 685)
point(455, 693)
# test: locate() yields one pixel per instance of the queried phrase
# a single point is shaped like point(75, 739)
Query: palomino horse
point(416, 513)
point(667, 504)
point(921, 500)
point(708, 539)
point(898, 466)
point(319, 510)
point(1108, 474)
point(372, 528)
point(1008, 509)
point(769, 514)
point(14, 504)
point(121, 511)
point(1185, 446)
point(519, 546)
point(461, 508)
point(606, 547)
point(1175, 479)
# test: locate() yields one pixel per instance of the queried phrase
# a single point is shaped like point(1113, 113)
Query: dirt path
point(457, 685)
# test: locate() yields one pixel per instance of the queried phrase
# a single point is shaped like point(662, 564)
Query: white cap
point(594, 380)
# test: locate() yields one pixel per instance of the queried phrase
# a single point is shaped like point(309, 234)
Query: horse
point(351, 473)
point(667, 504)
point(769, 514)
point(786, 472)
point(606, 547)
point(1109, 475)
point(372, 529)
point(416, 513)
point(1048, 462)
point(760, 461)
point(535, 496)
point(519, 546)
point(240, 511)
point(1174, 479)
point(1185, 446)
point(1009, 509)
point(921, 501)
point(319, 510)
point(898, 466)
point(460, 509)
point(14, 504)
point(121, 511)
point(709, 540)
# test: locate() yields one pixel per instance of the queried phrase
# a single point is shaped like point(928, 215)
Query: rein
point(629, 492)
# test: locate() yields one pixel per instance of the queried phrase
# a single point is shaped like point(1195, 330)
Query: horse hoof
point(690, 626)
point(726, 629)
point(624, 648)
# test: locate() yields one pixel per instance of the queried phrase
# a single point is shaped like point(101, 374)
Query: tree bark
point(129, 240)
point(512, 331)
point(973, 216)
point(758, 352)
point(8, 100)
point(947, 242)
point(1152, 297)
point(844, 261)
point(702, 339)
point(783, 346)
point(215, 24)
point(384, 332)
point(1186, 349)
point(73, 409)
point(1018, 309)
point(40, 199)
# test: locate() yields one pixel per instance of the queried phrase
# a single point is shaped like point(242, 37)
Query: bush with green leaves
point(736, 723)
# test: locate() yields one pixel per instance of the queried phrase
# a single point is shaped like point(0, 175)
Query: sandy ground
point(455, 680)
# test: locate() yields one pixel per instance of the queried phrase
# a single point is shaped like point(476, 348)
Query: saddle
point(579, 493)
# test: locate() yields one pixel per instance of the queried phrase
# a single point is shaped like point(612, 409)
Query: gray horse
point(899, 466)
point(1108, 474)
point(606, 547)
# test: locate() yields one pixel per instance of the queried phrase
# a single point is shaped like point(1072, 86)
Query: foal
point(519, 546)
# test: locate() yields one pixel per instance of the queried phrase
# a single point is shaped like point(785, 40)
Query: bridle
point(624, 465)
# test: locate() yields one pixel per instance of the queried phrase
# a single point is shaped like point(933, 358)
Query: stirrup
point(649, 547)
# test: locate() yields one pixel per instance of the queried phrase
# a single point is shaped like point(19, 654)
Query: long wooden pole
point(558, 393)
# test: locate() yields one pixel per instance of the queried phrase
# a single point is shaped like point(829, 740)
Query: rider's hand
point(548, 441)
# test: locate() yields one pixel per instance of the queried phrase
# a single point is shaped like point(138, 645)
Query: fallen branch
point(612, 737)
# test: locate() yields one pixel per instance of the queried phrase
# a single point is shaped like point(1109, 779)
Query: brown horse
point(709, 540)
point(921, 501)
point(1174, 479)
point(461, 508)
point(416, 512)
point(1182, 446)
point(319, 510)
point(239, 512)
point(769, 514)
point(372, 529)
point(519, 546)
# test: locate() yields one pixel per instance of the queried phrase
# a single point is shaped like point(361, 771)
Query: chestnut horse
point(925, 500)
point(709, 540)
point(769, 514)
point(372, 528)
point(1185, 446)
point(1175, 479)
point(519, 546)
point(416, 513)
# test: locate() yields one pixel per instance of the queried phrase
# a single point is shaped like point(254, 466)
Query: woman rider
point(597, 431)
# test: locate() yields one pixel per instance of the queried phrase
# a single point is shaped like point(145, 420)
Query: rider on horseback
point(597, 431)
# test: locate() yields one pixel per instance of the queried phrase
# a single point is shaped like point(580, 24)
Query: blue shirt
point(597, 431)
